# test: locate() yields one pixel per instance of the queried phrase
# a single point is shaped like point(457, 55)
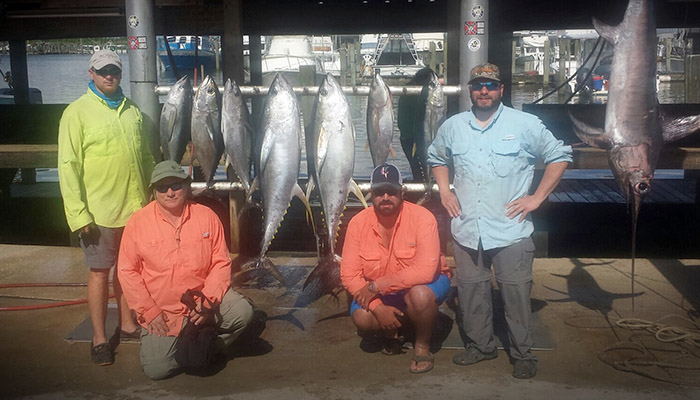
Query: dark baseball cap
point(386, 174)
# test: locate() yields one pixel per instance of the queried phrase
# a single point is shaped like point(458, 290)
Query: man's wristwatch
point(372, 288)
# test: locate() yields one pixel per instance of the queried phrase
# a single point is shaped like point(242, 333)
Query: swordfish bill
point(635, 129)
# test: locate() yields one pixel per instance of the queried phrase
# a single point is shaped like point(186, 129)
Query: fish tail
point(326, 276)
point(267, 265)
point(263, 263)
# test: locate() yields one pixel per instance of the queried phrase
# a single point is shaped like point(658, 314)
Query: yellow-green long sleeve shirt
point(104, 162)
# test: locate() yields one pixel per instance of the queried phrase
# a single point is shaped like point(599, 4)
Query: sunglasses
point(382, 190)
point(490, 85)
point(108, 70)
point(173, 186)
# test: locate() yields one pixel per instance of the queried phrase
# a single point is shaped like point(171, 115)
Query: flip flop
point(417, 359)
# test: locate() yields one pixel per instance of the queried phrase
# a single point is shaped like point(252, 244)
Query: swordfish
point(635, 127)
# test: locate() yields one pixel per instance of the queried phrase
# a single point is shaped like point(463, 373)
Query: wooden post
point(433, 61)
point(692, 78)
point(20, 79)
point(513, 47)
point(564, 45)
point(343, 51)
point(668, 45)
point(353, 64)
point(545, 77)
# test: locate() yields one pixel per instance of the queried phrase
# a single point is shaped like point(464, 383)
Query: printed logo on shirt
point(509, 137)
point(205, 235)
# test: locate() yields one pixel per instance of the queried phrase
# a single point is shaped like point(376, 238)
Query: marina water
point(62, 78)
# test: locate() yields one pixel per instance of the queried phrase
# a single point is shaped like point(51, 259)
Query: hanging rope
point(575, 73)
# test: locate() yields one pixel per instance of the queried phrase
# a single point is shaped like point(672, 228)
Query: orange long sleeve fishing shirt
point(413, 257)
point(158, 262)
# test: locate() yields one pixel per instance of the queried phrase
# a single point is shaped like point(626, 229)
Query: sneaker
point(129, 337)
point(524, 369)
point(472, 355)
point(101, 354)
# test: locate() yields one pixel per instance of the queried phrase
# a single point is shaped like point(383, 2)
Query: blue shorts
point(440, 286)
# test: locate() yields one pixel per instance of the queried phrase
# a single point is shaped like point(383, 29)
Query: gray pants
point(158, 352)
point(513, 269)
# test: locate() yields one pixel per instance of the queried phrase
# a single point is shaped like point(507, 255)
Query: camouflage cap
point(485, 71)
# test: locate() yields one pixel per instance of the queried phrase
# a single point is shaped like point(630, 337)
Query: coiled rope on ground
point(674, 357)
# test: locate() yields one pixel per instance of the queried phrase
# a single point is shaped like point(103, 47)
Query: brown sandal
point(417, 359)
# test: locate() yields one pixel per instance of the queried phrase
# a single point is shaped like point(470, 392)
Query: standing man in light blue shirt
point(494, 149)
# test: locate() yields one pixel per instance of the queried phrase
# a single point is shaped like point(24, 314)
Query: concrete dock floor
point(311, 350)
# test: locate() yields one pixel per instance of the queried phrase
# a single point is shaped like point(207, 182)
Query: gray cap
point(103, 58)
point(167, 169)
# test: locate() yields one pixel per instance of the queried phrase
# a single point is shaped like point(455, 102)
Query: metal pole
point(140, 30)
point(18, 66)
point(232, 41)
point(256, 76)
point(364, 186)
point(348, 90)
point(473, 44)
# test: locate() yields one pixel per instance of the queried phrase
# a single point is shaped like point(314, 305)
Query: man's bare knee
point(420, 297)
point(364, 320)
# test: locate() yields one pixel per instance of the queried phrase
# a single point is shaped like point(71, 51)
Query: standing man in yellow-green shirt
point(104, 163)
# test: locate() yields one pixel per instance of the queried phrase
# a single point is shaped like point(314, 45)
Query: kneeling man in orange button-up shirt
point(169, 246)
point(392, 266)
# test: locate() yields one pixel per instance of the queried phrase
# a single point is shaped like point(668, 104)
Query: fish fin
point(296, 191)
point(309, 189)
point(253, 187)
point(355, 189)
point(589, 134)
point(321, 148)
point(608, 32)
point(414, 150)
point(391, 151)
point(678, 128)
point(425, 198)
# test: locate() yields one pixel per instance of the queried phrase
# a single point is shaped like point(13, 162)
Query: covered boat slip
point(310, 349)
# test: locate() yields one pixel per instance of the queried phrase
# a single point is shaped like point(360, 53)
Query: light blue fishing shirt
point(493, 166)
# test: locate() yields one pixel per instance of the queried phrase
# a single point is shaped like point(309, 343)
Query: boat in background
point(285, 54)
point(7, 96)
point(183, 51)
point(394, 56)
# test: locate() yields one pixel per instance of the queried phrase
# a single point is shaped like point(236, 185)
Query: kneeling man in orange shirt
point(169, 246)
point(393, 267)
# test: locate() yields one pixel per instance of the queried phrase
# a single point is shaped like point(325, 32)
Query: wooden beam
point(28, 155)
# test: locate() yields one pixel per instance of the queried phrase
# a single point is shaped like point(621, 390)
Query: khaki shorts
point(101, 250)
